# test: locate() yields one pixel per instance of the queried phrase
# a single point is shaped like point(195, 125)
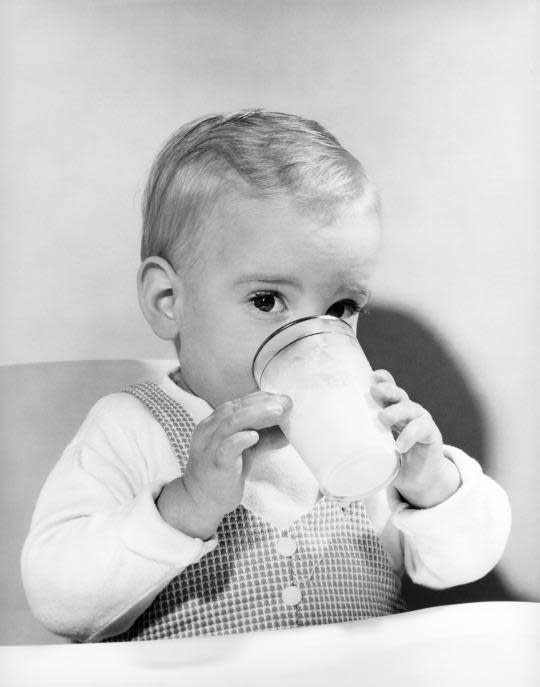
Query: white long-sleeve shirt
point(98, 551)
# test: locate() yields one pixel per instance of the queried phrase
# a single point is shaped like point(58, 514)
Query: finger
point(229, 408)
point(253, 399)
point(402, 412)
point(383, 376)
point(387, 392)
point(421, 430)
point(266, 411)
point(231, 448)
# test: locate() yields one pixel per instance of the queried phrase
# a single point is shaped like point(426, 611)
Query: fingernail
point(275, 409)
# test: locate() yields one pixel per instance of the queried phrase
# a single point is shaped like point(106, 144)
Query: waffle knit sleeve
point(98, 551)
point(461, 539)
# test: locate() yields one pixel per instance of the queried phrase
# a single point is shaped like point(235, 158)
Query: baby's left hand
point(427, 477)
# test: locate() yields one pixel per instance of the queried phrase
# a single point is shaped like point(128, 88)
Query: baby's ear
point(158, 290)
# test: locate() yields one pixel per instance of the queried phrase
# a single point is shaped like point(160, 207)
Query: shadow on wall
point(420, 364)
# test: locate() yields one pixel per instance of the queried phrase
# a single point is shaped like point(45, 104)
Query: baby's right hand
point(213, 482)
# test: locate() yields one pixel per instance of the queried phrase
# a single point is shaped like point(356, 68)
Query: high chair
point(42, 406)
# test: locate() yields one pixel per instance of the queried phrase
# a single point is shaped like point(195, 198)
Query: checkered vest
point(327, 567)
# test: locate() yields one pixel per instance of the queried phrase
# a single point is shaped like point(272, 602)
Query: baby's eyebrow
point(267, 279)
point(356, 288)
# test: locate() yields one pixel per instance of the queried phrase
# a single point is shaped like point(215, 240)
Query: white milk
point(333, 422)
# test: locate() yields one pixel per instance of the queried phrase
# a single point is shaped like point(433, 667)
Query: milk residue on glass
point(333, 423)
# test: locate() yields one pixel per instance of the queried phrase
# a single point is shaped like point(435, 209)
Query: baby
point(179, 508)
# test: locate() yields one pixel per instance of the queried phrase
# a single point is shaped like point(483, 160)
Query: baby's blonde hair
point(258, 153)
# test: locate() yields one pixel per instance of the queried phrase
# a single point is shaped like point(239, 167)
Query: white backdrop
point(438, 99)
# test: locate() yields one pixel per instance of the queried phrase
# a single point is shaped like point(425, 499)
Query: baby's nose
point(313, 308)
point(306, 315)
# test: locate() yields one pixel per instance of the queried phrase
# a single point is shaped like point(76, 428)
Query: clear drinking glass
point(333, 423)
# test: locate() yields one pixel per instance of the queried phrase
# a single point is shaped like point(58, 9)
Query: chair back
point(41, 407)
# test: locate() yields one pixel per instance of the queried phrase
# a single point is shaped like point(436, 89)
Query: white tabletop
point(492, 643)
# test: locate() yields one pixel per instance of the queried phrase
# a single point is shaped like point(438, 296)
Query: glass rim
point(327, 318)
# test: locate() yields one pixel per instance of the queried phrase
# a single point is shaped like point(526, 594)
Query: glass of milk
point(333, 423)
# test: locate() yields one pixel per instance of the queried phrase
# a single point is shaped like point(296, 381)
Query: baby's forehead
point(271, 240)
point(241, 205)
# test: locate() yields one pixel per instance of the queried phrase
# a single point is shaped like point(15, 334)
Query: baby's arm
point(99, 551)
point(461, 539)
point(455, 521)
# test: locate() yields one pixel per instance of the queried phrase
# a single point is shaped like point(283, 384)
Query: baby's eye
point(345, 309)
point(267, 302)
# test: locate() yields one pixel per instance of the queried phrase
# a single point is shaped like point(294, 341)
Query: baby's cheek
point(238, 383)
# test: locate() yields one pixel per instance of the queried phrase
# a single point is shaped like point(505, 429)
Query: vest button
point(286, 546)
point(291, 596)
